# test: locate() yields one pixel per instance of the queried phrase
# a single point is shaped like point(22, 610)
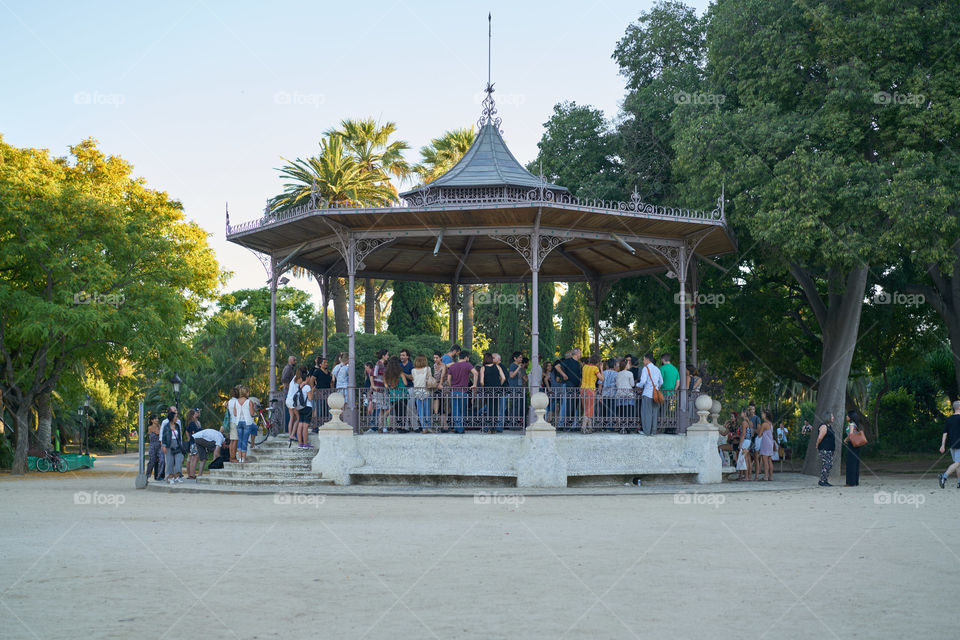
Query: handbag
point(657, 394)
point(431, 383)
point(857, 439)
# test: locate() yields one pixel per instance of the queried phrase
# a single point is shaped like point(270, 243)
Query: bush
point(899, 427)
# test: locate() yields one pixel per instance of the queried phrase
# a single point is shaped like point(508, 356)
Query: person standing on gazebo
point(459, 376)
point(650, 379)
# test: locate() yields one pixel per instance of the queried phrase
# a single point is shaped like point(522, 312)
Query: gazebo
point(488, 220)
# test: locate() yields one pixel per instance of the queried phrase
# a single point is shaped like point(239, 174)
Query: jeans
point(244, 431)
point(423, 412)
point(648, 415)
point(458, 400)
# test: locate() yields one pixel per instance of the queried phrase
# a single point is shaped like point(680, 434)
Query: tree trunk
point(839, 320)
point(467, 318)
point(369, 306)
point(44, 419)
point(22, 423)
point(339, 295)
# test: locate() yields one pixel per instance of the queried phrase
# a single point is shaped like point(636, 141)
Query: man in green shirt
point(671, 377)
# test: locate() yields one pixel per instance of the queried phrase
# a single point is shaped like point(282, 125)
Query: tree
point(548, 332)
point(810, 151)
point(94, 267)
point(662, 56)
point(576, 151)
point(292, 303)
point(442, 153)
point(574, 319)
point(510, 325)
point(369, 143)
point(334, 175)
point(412, 311)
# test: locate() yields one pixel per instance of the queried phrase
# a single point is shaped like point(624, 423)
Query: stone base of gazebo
point(538, 459)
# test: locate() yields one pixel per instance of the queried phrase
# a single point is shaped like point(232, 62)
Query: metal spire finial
point(489, 114)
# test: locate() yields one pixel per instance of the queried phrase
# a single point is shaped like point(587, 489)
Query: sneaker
point(942, 479)
point(171, 481)
point(824, 484)
point(179, 480)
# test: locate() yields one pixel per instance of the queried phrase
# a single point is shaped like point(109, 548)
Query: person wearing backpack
point(302, 404)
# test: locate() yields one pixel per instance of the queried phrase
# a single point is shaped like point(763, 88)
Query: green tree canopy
point(95, 267)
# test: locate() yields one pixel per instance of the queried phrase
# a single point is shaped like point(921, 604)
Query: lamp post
point(176, 382)
point(85, 433)
point(81, 419)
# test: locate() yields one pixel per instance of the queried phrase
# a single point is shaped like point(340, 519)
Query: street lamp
point(176, 381)
point(84, 432)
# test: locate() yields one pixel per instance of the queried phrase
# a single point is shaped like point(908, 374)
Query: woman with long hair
point(234, 434)
point(492, 380)
point(243, 412)
point(439, 404)
point(155, 462)
point(303, 403)
point(853, 453)
point(420, 393)
point(766, 445)
point(396, 391)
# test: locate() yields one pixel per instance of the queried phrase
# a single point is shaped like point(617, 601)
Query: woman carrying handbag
point(854, 440)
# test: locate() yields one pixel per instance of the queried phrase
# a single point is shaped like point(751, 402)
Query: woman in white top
point(294, 416)
point(242, 412)
point(626, 397)
point(420, 393)
point(234, 394)
point(303, 403)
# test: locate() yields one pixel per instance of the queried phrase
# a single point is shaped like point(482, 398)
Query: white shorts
point(956, 454)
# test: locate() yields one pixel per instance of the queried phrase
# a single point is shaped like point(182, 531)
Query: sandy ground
point(84, 555)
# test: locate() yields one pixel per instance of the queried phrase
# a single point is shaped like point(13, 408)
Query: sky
point(206, 99)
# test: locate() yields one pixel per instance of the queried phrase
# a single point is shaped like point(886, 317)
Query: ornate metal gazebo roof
point(486, 169)
point(455, 228)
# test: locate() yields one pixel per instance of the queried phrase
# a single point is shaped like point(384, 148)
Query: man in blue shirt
point(451, 356)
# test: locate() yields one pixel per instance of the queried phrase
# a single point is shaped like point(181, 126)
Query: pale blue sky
point(204, 98)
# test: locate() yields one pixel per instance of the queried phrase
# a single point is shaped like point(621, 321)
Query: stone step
point(291, 455)
point(279, 465)
point(265, 482)
point(273, 473)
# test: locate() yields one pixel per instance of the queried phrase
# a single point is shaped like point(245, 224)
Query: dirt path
point(85, 555)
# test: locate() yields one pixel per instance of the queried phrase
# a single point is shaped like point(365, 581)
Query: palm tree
point(442, 153)
point(336, 175)
point(369, 143)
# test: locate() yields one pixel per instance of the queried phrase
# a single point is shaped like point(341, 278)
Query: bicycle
point(51, 460)
point(268, 423)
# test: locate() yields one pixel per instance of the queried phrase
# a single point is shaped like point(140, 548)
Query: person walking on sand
point(951, 440)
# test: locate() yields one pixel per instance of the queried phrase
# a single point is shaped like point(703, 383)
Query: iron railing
point(502, 409)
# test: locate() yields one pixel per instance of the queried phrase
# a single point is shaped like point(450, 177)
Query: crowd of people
point(171, 443)
point(753, 444)
point(448, 392)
